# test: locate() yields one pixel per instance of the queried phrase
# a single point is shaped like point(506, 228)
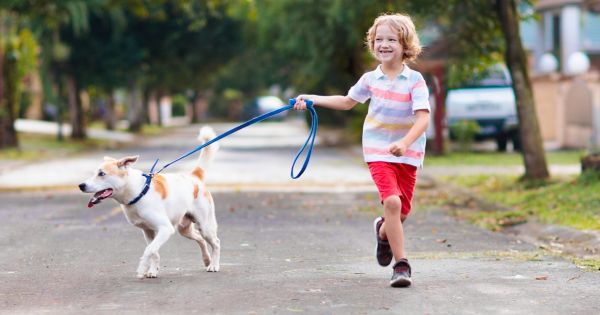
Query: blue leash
point(309, 141)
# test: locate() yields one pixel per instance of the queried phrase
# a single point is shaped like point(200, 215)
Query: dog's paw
point(212, 268)
point(152, 271)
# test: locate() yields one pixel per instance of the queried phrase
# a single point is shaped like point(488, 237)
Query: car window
point(492, 77)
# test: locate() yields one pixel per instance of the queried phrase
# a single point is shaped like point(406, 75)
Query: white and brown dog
point(168, 202)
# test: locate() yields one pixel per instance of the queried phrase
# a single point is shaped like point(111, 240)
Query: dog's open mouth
point(99, 196)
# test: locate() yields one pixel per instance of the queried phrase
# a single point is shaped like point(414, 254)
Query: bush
point(179, 104)
point(465, 131)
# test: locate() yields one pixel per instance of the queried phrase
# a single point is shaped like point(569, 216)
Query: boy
point(393, 131)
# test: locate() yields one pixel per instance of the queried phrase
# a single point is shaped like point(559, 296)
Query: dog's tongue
point(99, 196)
point(94, 201)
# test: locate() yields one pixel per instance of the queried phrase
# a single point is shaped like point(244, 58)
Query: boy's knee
point(392, 205)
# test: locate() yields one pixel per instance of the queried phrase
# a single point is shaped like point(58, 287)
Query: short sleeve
point(360, 92)
point(420, 94)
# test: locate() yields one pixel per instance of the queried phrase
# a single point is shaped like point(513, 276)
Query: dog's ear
point(126, 161)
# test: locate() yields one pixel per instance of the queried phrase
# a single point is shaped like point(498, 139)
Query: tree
point(312, 46)
point(18, 55)
point(531, 139)
point(185, 44)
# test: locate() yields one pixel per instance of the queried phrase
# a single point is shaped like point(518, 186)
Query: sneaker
point(383, 251)
point(401, 274)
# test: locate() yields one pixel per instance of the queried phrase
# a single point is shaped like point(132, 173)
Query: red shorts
point(394, 179)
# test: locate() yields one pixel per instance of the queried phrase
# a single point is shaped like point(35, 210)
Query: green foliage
point(308, 45)
point(179, 104)
point(491, 159)
point(36, 147)
point(465, 132)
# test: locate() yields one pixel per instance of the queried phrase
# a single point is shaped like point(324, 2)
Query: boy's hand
point(398, 148)
point(300, 102)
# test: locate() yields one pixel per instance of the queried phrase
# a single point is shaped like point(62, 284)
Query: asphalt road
point(282, 253)
point(288, 247)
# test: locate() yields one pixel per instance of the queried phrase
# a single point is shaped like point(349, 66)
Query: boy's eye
point(101, 173)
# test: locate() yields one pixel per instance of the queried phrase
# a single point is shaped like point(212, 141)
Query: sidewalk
point(256, 158)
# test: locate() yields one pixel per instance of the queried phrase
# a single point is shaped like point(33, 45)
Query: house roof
point(592, 5)
point(543, 5)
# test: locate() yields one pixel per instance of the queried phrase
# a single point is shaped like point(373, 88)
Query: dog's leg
point(186, 228)
point(209, 232)
point(162, 235)
point(154, 264)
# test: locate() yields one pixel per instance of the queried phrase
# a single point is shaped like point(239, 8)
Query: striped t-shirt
point(391, 113)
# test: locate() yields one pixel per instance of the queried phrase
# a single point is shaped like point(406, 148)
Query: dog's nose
point(82, 186)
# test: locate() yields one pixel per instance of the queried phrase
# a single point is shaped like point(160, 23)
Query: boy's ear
point(126, 161)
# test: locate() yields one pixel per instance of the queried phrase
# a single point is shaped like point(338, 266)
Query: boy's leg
point(392, 229)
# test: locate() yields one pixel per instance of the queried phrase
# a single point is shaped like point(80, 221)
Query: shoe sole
point(401, 283)
point(376, 236)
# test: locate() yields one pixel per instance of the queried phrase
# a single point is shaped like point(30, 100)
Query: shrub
point(465, 131)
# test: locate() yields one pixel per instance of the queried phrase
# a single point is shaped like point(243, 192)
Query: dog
point(162, 204)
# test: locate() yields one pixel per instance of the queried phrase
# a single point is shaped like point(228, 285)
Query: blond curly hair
point(407, 34)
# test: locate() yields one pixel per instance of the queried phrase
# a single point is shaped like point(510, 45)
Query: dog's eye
point(101, 173)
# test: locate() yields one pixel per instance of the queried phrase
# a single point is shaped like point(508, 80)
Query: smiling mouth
point(99, 196)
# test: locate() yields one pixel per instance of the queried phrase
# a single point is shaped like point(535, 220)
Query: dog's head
point(110, 177)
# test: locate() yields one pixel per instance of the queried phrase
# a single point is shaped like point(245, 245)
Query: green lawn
point(573, 202)
point(499, 159)
point(35, 147)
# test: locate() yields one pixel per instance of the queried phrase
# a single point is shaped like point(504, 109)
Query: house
point(564, 41)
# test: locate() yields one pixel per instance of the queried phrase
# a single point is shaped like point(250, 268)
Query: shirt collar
point(379, 73)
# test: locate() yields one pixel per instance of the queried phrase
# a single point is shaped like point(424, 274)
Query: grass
point(571, 201)
point(500, 158)
point(38, 146)
point(34, 147)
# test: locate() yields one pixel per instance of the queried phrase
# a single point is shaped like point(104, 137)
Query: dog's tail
point(207, 154)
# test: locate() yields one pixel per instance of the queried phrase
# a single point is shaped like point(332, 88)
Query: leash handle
point(312, 134)
point(309, 103)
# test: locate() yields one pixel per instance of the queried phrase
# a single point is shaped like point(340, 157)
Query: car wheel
point(501, 142)
point(516, 140)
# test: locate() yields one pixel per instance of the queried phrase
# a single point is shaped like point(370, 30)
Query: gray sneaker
point(401, 274)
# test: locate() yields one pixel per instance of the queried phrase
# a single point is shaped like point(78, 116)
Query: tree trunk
point(2, 115)
point(439, 93)
point(146, 97)
point(199, 107)
point(109, 118)
point(136, 109)
point(531, 138)
point(159, 97)
point(9, 103)
point(75, 110)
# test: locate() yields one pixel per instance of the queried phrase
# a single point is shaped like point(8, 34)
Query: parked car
point(262, 105)
point(489, 102)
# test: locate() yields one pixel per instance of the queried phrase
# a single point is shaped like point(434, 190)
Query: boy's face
point(387, 45)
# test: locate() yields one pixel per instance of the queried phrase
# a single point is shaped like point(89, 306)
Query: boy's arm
point(399, 147)
point(339, 102)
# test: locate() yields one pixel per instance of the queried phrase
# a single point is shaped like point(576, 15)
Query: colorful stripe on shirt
point(391, 113)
